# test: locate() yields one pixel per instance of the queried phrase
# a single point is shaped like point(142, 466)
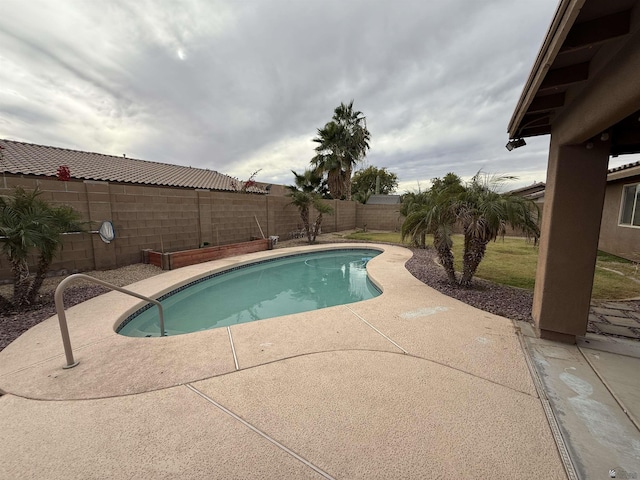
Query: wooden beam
point(535, 131)
point(536, 119)
point(597, 31)
point(564, 76)
point(626, 137)
point(548, 102)
point(603, 103)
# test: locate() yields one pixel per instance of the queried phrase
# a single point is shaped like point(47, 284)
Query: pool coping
point(111, 364)
point(122, 323)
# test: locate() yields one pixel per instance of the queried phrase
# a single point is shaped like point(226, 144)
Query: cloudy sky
point(242, 85)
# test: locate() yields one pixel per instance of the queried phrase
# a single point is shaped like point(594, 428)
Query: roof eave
point(564, 18)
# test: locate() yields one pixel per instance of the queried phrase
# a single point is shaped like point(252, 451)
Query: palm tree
point(482, 212)
point(305, 194)
point(342, 143)
point(27, 222)
point(63, 219)
point(433, 215)
point(329, 158)
point(412, 202)
point(484, 215)
point(20, 217)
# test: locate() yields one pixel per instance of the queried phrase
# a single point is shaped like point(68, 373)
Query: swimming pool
point(267, 289)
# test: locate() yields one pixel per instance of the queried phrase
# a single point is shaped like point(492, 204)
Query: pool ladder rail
point(62, 318)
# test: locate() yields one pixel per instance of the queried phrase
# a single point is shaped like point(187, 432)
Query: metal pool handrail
point(62, 318)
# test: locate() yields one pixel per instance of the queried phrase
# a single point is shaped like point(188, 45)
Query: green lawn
point(513, 261)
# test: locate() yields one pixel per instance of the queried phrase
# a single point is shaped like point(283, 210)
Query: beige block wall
point(379, 217)
point(171, 219)
point(283, 217)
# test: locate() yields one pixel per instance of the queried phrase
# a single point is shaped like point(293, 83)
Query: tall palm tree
point(484, 215)
point(305, 195)
point(342, 143)
point(329, 157)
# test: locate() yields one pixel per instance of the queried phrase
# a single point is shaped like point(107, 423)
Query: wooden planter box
point(173, 260)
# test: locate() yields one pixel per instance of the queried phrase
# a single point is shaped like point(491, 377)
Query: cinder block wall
point(379, 217)
point(170, 219)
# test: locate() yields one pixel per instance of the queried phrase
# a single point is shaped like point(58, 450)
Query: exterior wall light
point(515, 143)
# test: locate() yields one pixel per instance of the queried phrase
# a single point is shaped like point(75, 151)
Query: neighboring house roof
point(29, 159)
point(623, 171)
point(383, 200)
point(530, 190)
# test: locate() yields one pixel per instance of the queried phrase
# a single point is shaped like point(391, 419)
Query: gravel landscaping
point(13, 324)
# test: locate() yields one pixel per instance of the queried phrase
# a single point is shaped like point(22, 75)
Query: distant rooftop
point(529, 189)
point(383, 200)
point(21, 158)
point(623, 171)
point(624, 167)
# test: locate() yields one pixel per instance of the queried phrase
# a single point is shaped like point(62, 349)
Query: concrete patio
point(411, 384)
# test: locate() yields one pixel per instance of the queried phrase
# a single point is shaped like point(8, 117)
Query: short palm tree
point(412, 202)
point(27, 224)
point(485, 214)
point(63, 219)
point(482, 212)
point(305, 195)
point(434, 215)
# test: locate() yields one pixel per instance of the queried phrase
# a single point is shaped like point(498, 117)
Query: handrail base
point(71, 366)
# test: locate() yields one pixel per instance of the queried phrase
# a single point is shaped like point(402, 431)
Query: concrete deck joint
point(233, 348)
point(561, 445)
point(375, 329)
point(447, 390)
point(260, 432)
point(626, 411)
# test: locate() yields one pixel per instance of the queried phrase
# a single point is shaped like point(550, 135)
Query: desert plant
point(305, 194)
point(28, 223)
point(485, 214)
point(434, 215)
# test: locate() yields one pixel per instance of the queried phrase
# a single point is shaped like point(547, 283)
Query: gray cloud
point(237, 86)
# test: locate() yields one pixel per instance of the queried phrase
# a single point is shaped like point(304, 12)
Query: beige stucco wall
point(623, 241)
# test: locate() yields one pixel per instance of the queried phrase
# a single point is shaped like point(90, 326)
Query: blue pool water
point(262, 290)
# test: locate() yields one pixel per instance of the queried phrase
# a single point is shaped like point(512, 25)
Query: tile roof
point(624, 167)
point(30, 159)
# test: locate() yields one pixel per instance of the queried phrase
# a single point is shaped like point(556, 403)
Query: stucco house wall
point(621, 240)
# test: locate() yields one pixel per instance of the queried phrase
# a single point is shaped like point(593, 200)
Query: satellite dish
point(106, 232)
